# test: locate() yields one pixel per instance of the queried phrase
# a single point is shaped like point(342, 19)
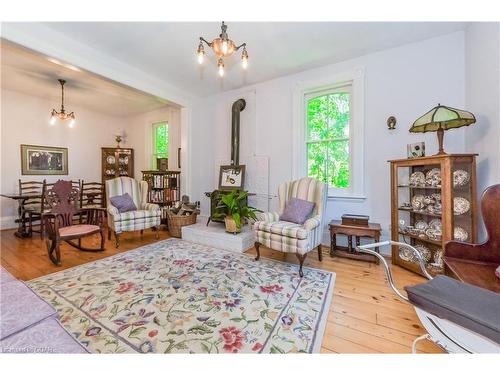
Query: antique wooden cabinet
point(117, 162)
point(433, 200)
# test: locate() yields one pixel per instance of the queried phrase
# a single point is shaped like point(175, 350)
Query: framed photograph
point(231, 177)
point(43, 160)
point(416, 150)
point(162, 164)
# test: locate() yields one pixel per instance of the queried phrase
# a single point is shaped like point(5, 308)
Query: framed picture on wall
point(179, 157)
point(231, 177)
point(416, 150)
point(44, 160)
point(162, 164)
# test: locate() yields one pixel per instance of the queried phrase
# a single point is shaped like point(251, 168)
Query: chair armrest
point(312, 222)
point(150, 206)
point(52, 222)
point(113, 211)
point(268, 217)
point(473, 252)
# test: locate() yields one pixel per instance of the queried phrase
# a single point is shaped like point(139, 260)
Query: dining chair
point(31, 210)
point(92, 195)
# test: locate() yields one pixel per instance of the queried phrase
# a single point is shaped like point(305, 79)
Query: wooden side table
point(371, 231)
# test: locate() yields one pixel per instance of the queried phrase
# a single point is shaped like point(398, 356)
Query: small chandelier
point(62, 114)
point(222, 47)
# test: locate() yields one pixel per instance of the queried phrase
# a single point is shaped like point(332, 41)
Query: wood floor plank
point(364, 317)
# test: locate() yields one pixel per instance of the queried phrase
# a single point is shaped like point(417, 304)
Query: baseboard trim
point(8, 222)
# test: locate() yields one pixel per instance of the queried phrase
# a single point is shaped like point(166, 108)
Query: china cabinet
point(433, 200)
point(117, 162)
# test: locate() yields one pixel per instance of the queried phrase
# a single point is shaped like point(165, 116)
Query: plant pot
point(231, 226)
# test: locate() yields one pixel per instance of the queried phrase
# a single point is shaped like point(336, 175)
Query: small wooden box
point(356, 220)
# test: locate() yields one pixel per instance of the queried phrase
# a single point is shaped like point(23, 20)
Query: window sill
point(346, 198)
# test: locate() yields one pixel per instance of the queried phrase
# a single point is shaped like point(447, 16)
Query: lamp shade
point(442, 117)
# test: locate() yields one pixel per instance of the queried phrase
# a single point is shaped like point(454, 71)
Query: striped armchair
point(147, 215)
point(290, 237)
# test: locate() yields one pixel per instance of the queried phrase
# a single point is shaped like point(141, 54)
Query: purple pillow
point(297, 210)
point(124, 203)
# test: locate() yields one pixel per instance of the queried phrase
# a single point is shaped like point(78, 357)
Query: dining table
point(21, 220)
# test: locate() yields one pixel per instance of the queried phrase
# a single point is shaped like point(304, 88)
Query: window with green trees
point(160, 140)
point(328, 137)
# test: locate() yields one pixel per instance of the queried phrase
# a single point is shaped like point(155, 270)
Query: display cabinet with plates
point(116, 162)
point(433, 200)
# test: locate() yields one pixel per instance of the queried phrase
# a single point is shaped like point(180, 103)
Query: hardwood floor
point(365, 316)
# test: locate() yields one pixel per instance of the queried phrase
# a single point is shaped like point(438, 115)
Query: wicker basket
point(176, 222)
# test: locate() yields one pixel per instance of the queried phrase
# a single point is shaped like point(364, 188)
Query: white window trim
point(355, 78)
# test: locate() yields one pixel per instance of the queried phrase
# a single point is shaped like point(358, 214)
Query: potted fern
point(233, 209)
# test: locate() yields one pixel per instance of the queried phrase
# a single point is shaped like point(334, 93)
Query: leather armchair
point(476, 263)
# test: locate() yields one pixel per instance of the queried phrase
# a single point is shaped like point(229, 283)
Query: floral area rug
point(175, 296)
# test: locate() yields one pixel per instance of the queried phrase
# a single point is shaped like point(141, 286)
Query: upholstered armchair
point(289, 237)
point(147, 215)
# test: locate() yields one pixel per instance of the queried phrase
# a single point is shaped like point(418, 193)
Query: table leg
point(349, 239)
point(333, 243)
point(357, 241)
point(377, 239)
point(21, 229)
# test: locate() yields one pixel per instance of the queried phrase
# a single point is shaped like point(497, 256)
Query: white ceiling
point(34, 74)
point(166, 50)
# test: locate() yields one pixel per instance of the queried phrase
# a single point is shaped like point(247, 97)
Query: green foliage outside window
point(328, 139)
point(161, 140)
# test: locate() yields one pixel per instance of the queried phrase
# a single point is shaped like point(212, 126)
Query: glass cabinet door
point(109, 160)
point(420, 213)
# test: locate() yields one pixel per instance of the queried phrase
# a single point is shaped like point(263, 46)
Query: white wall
point(24, 120)
point(140, 137)
point(482, 68)
point(404, 82)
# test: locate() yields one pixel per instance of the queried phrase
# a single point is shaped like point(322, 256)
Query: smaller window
point(160, 141)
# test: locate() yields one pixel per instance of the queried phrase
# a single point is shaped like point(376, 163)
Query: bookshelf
point(164, 189)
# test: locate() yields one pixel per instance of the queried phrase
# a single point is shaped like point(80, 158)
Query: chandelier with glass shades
point(62, 115)
point(223, 47)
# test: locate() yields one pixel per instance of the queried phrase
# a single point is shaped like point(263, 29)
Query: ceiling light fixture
point(223, 47)
point(62, 114)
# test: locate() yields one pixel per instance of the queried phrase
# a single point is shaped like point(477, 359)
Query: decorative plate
point(436, 197)
point(421, 225)
point(438, 259)
point(110, 159)
point(424, 251)
point(433, 177)
point(460, 234)
point(460, 178)
point(460, 205)
point(406, 254)
point(417, 202)
point(433, 234)
point(435, 224)
point(125, 160)
point(417, 179)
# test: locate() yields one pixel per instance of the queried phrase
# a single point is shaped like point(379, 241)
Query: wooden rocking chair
point(63, 200)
